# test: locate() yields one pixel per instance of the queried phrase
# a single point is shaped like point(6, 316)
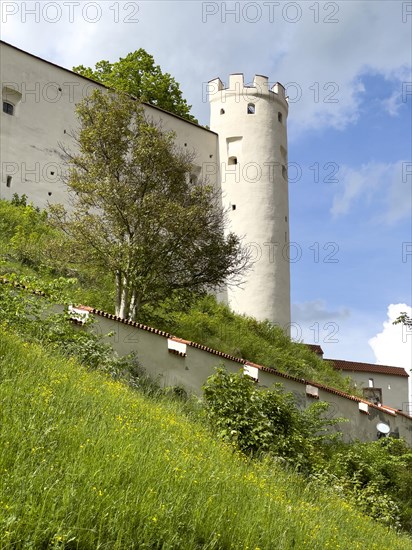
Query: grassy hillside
point(87, 463)
point(29, 248)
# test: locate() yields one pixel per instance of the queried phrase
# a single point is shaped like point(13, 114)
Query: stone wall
point(176, 362)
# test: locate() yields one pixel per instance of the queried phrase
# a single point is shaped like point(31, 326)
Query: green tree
point(404, 319)
point(138, 214)
point(137, 75)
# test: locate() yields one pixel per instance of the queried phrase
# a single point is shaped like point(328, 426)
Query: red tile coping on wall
point(84, 308)
point(241, 361)
point(180, 340)
point(230, 357)
point(340, 364)
point(128, 322)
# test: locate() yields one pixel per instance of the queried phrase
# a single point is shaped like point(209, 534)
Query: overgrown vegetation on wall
point(33, 249)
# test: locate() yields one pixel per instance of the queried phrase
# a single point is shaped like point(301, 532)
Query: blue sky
point(347, 69)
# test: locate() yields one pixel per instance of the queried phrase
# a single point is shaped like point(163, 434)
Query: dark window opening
point(284, 172)
point(49, 193)
point(251, 109)
point(8, 182)
point(232, 160)
point(280, 117)
point(233, 206)
point(374, 395)
point(222, 111)
point(8, 108)
point(52, 173)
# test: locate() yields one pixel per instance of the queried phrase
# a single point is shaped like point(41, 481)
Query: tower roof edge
point(260, 87)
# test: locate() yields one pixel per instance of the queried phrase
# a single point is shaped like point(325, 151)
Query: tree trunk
point(135, 304)
point(122, 296)
point(118, 292)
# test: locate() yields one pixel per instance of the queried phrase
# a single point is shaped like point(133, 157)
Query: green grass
point(214, 325)
point(30, 248)
point(87, 463)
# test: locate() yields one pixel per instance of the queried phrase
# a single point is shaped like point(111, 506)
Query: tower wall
point(251, 124)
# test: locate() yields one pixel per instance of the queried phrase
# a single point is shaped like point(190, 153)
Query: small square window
point(8, 108)
point(251, 109)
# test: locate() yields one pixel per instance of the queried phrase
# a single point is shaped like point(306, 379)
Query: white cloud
point(393, 103)
point(393, 346)
point(369, 38)
point(342, 332)
point(386, 185)
point(316, 310)
point(313, 322)
point(325, 52)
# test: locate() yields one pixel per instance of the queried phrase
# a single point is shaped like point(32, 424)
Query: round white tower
point(251, 124)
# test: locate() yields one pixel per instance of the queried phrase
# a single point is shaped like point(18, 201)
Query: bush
point(377, 476)
point(266, 421)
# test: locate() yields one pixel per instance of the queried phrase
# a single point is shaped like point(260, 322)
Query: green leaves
point(137, 75)
point(137, 215)
point(265, 421)
point(377, 477)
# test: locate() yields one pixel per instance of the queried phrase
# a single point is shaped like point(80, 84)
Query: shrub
point(266, 421)
point(377, 477)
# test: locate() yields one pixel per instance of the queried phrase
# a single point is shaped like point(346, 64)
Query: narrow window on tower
point(222, 111)
point(280, 118)
point(251, 109)
point(8, 182)
point(284, 172)
point(232, 160)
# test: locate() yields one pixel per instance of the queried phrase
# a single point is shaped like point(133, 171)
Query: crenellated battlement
point(260, 88)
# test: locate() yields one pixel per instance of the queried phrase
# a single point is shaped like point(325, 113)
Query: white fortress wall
point(44, 97)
